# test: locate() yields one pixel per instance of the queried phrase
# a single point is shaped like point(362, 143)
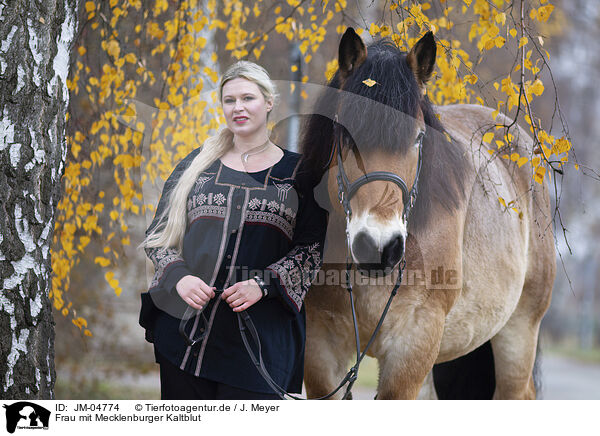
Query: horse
point(478, 275)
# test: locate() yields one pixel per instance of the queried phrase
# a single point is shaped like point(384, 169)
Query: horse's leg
point(329, 340)
point(326, 359)
point(514, 356)
point(515, 344)
point(402, 376)
point(427, 391)
point(407, 356)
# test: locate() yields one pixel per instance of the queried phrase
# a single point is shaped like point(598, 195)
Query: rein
point(346, 191)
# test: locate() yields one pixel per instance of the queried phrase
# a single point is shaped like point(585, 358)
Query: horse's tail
point(537, 372)
point(470, 377)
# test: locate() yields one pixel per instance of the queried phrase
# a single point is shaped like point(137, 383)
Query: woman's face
point(245, 107)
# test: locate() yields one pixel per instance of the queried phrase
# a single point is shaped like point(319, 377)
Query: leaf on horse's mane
point(369, 82)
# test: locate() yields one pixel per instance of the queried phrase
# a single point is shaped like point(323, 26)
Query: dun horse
point(478, 276)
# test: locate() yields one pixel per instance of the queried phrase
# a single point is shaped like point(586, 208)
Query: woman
point(234, 216)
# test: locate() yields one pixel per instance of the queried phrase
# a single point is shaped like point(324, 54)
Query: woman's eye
point(249, 97)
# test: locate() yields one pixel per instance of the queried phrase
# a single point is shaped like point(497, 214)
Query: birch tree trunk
point(34, 62)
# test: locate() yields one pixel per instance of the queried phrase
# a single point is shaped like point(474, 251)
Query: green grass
point(573, 351)
point(368, 373)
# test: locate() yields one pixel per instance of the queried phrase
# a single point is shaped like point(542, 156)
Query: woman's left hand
point(242, 295)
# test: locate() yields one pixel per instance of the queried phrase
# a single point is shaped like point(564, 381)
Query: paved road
point(569, 379)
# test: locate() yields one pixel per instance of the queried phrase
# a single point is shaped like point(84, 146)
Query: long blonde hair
point(170, 235)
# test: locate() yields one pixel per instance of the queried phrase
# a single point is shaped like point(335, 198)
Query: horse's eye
point(419, 139)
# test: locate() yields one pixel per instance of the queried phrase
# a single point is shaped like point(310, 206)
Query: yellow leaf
point(102, 261)
point(537, 87)
point(513, 32)
point(374, 29)
point(113, 49)
point(90, 6)
point(522, 161)
point(544, 12)
point(523, 41)
point(471, 78)
point(487, 138)
point(369, 82)
point(540, 172)
point(502, 202)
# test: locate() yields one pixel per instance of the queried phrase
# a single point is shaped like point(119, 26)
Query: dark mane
point(380, 116)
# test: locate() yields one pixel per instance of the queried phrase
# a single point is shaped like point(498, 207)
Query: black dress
point(239, 225)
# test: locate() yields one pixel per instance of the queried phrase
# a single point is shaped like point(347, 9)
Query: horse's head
point(380, 128)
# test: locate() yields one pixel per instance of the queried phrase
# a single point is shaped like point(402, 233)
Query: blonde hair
point(171, 233)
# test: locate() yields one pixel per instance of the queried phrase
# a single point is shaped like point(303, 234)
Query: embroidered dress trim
point(227, 282)
point(260, 217)
point(215, 272)
point(162, 259)
point(297, 271)
point(207, 211)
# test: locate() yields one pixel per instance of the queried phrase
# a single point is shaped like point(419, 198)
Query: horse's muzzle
point(373, 262)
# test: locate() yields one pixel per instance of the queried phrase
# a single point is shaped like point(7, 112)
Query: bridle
point(346, 190)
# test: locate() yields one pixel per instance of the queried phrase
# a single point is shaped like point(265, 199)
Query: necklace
point(254, 151)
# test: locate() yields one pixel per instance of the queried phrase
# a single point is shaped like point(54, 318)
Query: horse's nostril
point(365, 249)
point(393, 251)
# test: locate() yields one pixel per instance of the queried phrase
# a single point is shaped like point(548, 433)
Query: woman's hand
point(194, 291)
point(242, 295)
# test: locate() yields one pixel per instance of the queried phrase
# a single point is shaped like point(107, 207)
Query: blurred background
point(114, 361)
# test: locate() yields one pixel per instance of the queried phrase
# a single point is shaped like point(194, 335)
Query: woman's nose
point(238, 105)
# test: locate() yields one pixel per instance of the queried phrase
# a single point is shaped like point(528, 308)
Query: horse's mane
point(441, 180)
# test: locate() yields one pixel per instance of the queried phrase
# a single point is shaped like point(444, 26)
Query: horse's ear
point(352, 52)
point(421, 58)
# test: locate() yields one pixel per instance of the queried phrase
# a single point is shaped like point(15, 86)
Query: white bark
point(34, 63)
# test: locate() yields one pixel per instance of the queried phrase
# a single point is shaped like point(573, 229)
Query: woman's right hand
point(194, 291)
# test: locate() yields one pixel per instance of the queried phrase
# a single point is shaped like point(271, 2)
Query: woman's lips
point(240, 120)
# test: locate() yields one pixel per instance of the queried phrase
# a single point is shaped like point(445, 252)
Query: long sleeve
point(291, 276)
point(169, 266)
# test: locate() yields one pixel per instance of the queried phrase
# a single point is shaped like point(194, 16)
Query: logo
point(26, 415)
